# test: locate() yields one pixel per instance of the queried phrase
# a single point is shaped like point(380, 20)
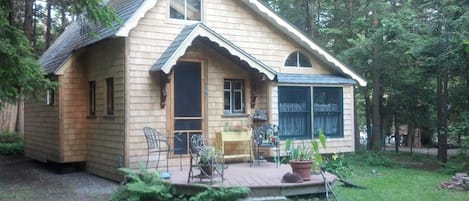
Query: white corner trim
point(282, 23)
point(132, 22)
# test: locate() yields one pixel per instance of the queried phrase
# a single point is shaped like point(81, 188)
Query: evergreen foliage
point(19, 69)
point(10, 143)
point(226, 194)
point(407, 50)
point(143, 185)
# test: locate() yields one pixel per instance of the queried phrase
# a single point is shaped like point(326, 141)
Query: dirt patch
point(22, 179)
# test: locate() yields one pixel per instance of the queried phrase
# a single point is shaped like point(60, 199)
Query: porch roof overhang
point(284, 78)
point(189, 33)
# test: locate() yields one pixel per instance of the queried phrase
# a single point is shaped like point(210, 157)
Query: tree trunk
point(355, 120)
point(28, 19)
point(397, 136)
point(20, 120)
point(8, 116)
point(376, 110)
point(11, 13)
point(309, 18)
point(442, 92)
point(48, 23)
point(34, 41)
point(369, 131)
point(410, 135)
point(376, 92)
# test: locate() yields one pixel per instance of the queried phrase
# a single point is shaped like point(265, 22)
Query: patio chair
point(267, 136)
point(157, 143)
point(215, 167)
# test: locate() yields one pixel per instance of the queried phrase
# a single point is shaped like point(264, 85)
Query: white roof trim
point(201, 31)
point(132, 22)
point(286, 26)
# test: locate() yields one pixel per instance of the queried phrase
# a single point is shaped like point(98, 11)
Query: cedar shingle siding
point(65, 132)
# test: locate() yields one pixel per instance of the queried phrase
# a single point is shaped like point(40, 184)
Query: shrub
point(372, 158)
point(147, 185)
point(226, 194)
point(10, 143)
point(337, 165)
point(8, 137)
point(144, 185)
point(458, 163)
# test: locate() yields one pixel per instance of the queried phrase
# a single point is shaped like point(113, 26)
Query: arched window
point(298, 59)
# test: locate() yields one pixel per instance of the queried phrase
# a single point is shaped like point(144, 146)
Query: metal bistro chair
point(157, 143)
point(216, 166)
point(267, 136)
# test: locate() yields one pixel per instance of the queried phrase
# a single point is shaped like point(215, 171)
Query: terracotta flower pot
point(207, 169)
point(303, 168)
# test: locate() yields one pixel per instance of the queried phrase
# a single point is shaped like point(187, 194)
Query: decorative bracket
point(164, 81)
point(253, 93)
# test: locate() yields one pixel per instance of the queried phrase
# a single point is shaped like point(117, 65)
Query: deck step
point(272, 198)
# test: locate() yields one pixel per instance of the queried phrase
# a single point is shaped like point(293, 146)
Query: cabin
point(184, 67)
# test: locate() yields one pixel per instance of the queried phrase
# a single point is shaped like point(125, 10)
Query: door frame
point(203, 83)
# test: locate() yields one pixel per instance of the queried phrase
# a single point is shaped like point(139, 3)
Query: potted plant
point(207, 159)
point(302, 157)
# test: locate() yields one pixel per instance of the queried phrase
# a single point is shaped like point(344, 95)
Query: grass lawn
point(384, 183)
point(389, 176)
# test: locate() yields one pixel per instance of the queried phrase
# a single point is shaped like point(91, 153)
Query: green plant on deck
point(303, 152)
point(225, 194)
point(338, 165)
point(143, 185)
point(208, 155)
point(10, 143)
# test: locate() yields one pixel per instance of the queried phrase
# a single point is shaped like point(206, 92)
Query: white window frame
point(50, 99)
point(185, 12)
point(298, 60)
point(232, 91)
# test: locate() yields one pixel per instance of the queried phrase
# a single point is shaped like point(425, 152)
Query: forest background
point(413, 53)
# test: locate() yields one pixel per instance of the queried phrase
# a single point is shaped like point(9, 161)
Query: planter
point(207, 170)
point(303, 168)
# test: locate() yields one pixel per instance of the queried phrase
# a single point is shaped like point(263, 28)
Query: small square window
point(50, 97)
point(110, 96)
point(185, 9)
point(233, 94)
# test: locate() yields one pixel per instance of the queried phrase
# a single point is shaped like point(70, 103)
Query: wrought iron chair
point(157, 143)
point(267, 136)
point(214, 168)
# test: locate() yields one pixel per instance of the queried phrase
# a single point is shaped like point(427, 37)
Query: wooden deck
point(263, 180)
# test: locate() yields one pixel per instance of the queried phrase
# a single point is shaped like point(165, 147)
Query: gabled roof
point(300, 38)
point(178, 47)
point(131, 11)
point(73, 38)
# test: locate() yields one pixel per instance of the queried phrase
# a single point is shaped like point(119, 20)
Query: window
point(110, 96)
point(233, 93)
point(297, 120)
point(185, 9)
point(50, 97)
point(298, 59)
point(294, 112)
point(328, 112)
point(92, 98)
